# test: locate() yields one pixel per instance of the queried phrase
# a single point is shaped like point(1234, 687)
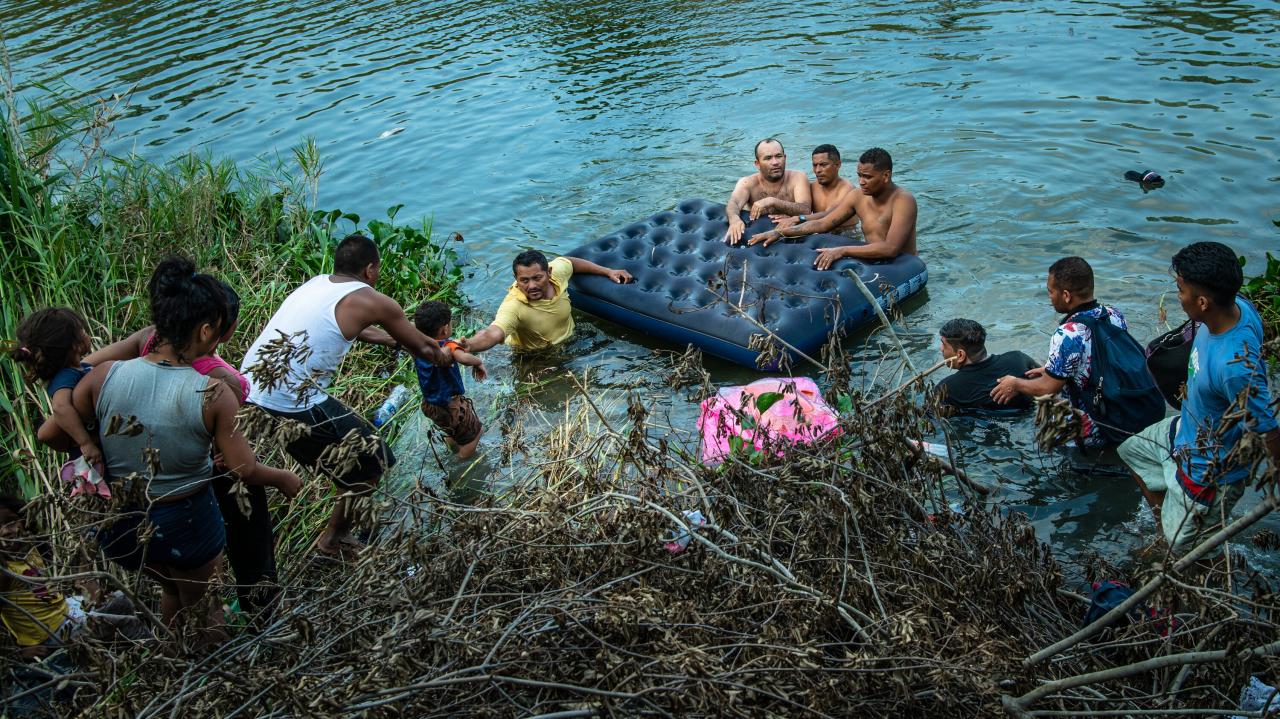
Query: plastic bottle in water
point(395, 401)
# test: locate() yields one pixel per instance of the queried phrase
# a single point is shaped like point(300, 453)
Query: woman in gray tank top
point(160, 419)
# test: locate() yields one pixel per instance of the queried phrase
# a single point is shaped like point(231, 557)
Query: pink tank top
point(205, 365)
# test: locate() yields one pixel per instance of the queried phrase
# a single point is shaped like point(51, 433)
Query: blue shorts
point(189, 533)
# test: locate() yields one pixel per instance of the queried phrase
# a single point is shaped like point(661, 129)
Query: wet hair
point(182, 300)
point(769, 139)
point(877, 157)
point(829, 150)
point(431, 316)
point(47, 340)
point(965, 334)
point(529, 258)
point(353, 254)
point(1072, 274)
point(1212, 268)
point(233, 305)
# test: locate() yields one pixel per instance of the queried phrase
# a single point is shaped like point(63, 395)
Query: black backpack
point(1124, 398)
point(1167, 358)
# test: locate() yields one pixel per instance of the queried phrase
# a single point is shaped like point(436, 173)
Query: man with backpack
point(1189, 467)
point(1093, 360)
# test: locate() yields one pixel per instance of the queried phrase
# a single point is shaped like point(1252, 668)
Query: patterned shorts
point(457, 419)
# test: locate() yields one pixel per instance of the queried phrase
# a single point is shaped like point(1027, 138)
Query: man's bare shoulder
point(797, 176)
point(902, 194)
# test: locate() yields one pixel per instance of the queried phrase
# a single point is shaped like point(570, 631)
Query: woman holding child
point(159, 418)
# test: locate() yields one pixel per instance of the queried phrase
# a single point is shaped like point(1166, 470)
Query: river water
point(547, 123)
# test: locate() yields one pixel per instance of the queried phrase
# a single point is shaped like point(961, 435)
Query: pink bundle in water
point(763, 412)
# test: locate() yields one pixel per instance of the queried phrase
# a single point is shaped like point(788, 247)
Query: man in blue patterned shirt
point(1068, 369)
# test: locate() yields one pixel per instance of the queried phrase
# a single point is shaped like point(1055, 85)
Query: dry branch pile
point(837, 580)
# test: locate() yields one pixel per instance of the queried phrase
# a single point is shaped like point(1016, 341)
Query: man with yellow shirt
point(536, 313)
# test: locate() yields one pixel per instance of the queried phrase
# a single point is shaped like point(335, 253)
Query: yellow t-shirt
point(47, 607)
point(537, 325)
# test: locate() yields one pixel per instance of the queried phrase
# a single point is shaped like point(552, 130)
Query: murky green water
point(550, 123)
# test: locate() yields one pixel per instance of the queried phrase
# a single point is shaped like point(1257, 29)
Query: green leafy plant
point(1264, 290)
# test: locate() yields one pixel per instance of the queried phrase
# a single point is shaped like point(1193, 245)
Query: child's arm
point(476, 364)
point(65, 414)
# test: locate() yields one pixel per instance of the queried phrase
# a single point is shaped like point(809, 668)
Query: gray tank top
point(168, 403)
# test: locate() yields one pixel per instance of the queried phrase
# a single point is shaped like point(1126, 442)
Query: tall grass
point(84, 229)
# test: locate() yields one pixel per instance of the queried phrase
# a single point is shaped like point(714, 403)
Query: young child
point(444, 399)
point(37, 617)
point(52, 343)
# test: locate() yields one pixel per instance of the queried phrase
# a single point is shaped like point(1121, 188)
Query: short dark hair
point(529, 258)
point(431, 316)
point(1072, 274)
point(828, 150)
point(769, 139)
point(354, 253)
point(46, 340)
point(965, 334)
point(1213, 268)
point(877, 157)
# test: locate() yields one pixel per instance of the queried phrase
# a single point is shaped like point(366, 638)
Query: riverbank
point(840, 579)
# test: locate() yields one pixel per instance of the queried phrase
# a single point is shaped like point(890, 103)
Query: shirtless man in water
point(774, 189)
point(888, 215)
point(827, 188)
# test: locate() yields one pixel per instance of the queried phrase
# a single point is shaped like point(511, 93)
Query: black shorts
point(330, 422)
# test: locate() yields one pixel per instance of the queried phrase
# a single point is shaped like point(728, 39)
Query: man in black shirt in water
point(964, 343)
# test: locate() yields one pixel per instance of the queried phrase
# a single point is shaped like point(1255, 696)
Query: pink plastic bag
point(84, 478)
point(799, 415)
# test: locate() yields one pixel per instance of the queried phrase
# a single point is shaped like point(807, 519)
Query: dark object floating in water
point(1146, 178)
point(692, 288)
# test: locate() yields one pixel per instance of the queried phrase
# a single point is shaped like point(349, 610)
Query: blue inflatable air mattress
point(692, 288)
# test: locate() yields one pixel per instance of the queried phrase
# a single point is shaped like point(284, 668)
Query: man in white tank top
point(295, 357)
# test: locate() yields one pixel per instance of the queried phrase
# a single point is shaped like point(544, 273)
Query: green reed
point(84, 229)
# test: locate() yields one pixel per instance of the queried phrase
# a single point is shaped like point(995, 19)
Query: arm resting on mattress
point(817, 224)
point(741, 196)
point(586, 267)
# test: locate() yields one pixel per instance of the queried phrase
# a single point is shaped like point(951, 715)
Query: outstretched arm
point(126, 349)
point(376, 336)
point(237, 455)
point(384, 311)
point(732, 209)
point(485, 338)
point(821, 222)
point(586, 267)
point(1036, 383)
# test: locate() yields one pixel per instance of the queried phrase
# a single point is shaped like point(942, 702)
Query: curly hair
point(182, 300)
point(431, 316)
point(1213, 268)
point(48, 340)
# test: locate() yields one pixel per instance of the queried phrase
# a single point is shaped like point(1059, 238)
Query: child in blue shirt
point(444, 399)
point(52, 344)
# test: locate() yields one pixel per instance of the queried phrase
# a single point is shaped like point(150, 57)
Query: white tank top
point(310, 310)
